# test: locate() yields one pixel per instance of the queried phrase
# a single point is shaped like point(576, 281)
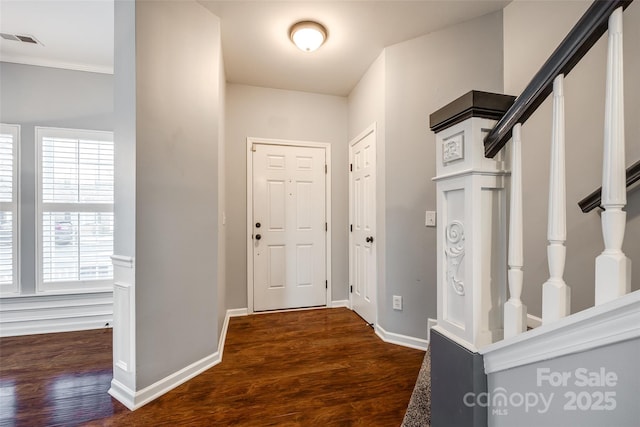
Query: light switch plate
point(430, 219)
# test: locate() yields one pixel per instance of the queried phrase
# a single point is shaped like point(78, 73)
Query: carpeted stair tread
point(419, 410)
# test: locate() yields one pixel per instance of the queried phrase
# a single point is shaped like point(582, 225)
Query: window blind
point(77, 191)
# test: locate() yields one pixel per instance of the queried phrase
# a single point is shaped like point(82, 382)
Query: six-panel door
point(289, 237)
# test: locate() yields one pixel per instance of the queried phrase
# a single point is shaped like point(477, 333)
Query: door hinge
point(351, 228)
point(326, 227)
point(351, 289)
point(350, 167)
point(326, 284)
point(325, 169)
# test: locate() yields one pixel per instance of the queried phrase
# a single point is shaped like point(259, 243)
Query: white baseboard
point(136, 399)
point(234, 312)
point(403, 340)
point(237, 312)
point(533, 321)
point(43, 314)
point(340, 303)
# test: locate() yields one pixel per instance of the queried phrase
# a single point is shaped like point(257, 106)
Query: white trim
point(72, 324)
point(249, 211)
point(234, 312)
point(533, 321)
point(123, 261)
point(136, 399)
point(455, 338)
point(40, 62)
point(237, 312)
point(615, 321)
point(15, 287)
point(28, 315)
point(341, 303)
point(468, 172)
point(403, 340)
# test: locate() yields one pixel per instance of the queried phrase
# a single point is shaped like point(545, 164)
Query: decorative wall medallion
point(454, 234)
point(453, 148)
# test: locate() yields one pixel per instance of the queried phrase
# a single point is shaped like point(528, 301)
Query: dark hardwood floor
point(305, 368)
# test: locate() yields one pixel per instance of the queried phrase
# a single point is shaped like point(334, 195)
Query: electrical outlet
point(397, 302)
point(430, 219)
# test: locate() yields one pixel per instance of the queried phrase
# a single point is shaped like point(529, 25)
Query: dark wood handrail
point(575, 45)
point(594, 199)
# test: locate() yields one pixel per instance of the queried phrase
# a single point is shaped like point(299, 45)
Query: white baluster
point(613, 268)
point(515, 312)
point(556, 294)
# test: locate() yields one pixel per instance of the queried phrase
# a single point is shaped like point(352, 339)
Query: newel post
point(472, 220)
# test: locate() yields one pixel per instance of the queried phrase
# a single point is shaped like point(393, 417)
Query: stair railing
point(594, 200)
point(612, 266)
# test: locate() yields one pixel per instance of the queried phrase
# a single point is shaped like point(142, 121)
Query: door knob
point(258, 237)
point(369, 239)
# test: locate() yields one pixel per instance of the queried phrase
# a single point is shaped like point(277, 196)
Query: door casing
point(327, 147)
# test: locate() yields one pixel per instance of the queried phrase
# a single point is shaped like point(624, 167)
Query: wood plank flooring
point(301, 368)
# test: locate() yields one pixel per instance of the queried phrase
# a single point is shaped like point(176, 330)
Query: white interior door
point(289, 227)
point(362, 207)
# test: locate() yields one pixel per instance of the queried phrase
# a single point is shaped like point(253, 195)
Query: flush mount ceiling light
point(308, 35)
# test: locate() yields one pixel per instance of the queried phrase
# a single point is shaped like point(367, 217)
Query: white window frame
point(65, 287)
point(14, 207)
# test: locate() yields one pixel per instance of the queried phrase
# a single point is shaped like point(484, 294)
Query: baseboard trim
point(236, 312)
point(45, 314)
point(533, 321)
point(340, 303)
point(84, 323)
point(136, 399)
point(403, 340)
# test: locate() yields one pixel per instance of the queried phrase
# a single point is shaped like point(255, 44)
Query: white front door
point(289, 227)
point(362, 208)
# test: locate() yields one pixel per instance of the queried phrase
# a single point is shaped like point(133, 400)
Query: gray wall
point(421, 75)
point(527, 44)
point(620, 359)
point(177, 134)
point(281, 114)
point(124, 64)
point(40, 96)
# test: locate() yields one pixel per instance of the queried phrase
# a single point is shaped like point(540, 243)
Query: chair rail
point(575, 45)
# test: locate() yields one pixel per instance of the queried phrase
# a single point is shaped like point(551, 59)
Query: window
point(9, 143)
point(75, 209)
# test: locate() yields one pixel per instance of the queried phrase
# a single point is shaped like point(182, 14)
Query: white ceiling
point(78, 34)
point(257, 50)
point(75, 34)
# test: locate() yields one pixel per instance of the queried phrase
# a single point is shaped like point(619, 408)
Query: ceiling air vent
point(27, 39)
point(20, 38)
point(9, 37)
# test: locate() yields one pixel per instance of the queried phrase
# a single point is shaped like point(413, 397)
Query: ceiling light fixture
point(308, 35)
